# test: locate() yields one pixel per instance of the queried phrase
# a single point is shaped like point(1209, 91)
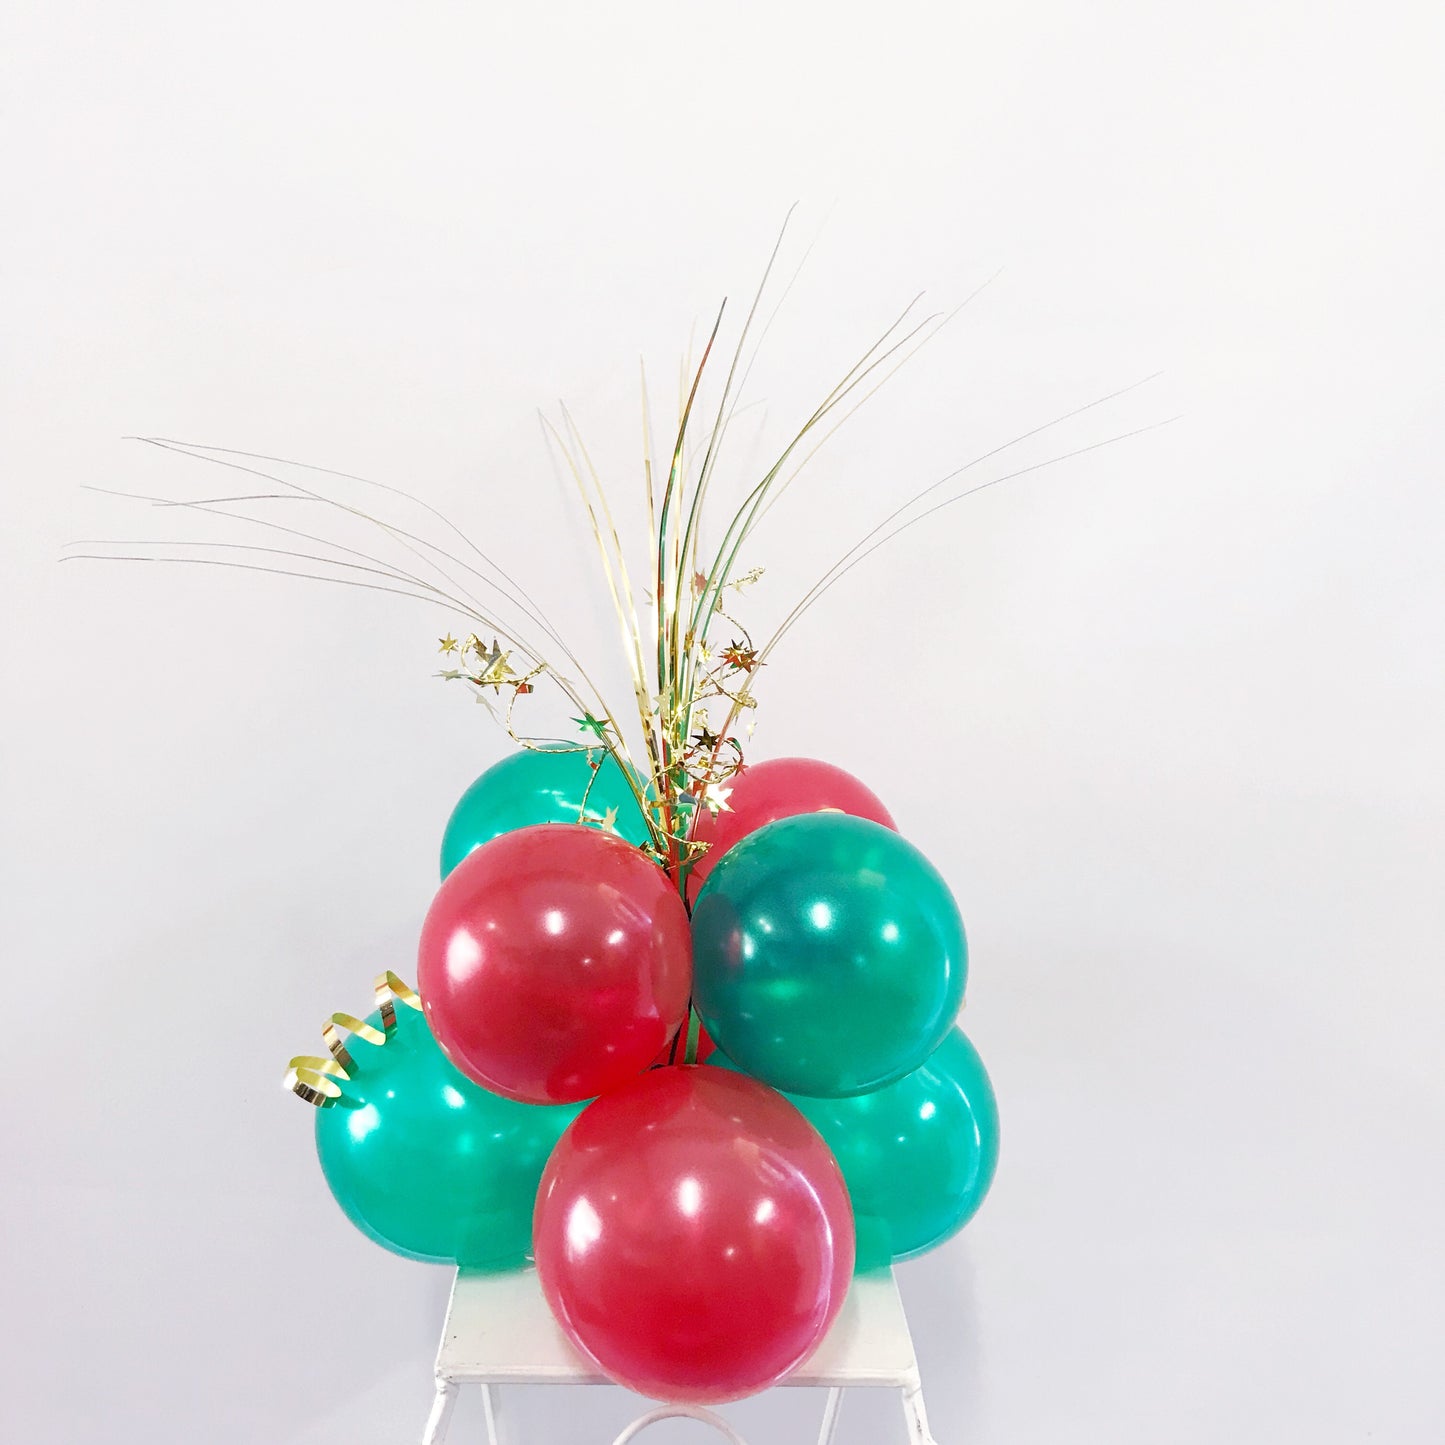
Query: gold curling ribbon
point(390, 991)
point(313, 1078)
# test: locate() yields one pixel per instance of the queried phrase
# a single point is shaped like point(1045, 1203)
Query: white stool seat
point(499, 1331)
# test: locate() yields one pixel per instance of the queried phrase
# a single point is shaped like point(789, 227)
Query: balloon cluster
point(694, 1228)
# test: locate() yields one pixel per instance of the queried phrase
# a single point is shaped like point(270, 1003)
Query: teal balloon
point(542, 786)
point(918, 1156)
point(428, 1164)
point(829, 957)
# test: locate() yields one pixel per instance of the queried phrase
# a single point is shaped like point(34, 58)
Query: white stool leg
point(441, 1412)
point(492, 1407)
point(915, 1416)
point(830, 1416)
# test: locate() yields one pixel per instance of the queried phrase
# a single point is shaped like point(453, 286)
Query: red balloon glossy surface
point(555, 962)
point(693, 1235)
point(779, 788)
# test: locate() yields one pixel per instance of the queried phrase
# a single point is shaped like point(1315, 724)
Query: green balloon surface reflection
point(545, 785)
point(828, 955)
point(918, 1156)
point(428, 1164)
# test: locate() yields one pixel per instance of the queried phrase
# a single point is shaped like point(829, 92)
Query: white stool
point(499, 1331)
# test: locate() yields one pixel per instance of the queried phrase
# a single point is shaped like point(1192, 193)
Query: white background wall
point(1169, 717)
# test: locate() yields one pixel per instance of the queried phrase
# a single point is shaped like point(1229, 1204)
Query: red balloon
point(779, 788)
point(555, 963)
point(693, 1235)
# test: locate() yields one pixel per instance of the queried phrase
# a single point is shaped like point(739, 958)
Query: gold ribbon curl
point(313, 1078)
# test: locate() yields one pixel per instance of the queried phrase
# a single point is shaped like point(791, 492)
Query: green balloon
point(828, 955)
point(545, 785)
point(428, 1164)
point(918, 1156)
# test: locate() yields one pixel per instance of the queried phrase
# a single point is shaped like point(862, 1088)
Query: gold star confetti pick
point(715, 798)
point(590, 724)
point(744, 659)
point(693, 694)
point(669, 601)
point(493, 667)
